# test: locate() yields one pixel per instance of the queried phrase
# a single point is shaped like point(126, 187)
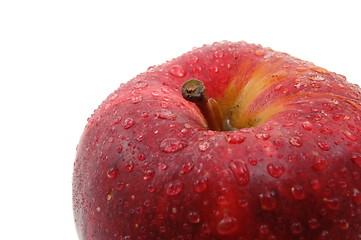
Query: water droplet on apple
point(120, 186)
point(240, 171)
point(118, 120)
point(263, 136)
point(203, 146)
point(218, 54)
point(120, 149)
point(313, 223)
point(324, 146)
point(194, 217)
point(129, 166)
point(275, 169)
point(343, 224)
point(197, 69)
point(206, 228)
point(177, 71)
point(315, 184)
point(296, 141)
point(186, 167)
point(148, 174)
point(227, 225)
point(259, 53)
point(201, 184)
point(192, 59)
point(171, 145)
point(235, 138)
point(268, 201)
point(163, 166)
point(307, 125)
point(297, 192)
point(213, 69)
point(332, 203)
point(356, 197)
point(136, 99)
point(128, 123)
point(151, 188)
point(166, 114)
point(112, 173)
point(349, 135)
point(141, 156)
point(296, 228)
point(356, 160)
point(319, 164)
point(174, 188)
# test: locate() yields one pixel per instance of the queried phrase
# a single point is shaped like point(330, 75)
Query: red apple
point(257, 145)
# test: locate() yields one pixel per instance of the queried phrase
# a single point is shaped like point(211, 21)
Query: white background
point(60, 59)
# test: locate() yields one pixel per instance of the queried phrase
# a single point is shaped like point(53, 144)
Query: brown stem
point(194, 91)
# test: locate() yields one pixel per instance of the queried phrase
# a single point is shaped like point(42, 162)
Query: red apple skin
point(148, 168)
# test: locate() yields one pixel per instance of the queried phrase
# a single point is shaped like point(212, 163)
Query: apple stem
point(194, 91)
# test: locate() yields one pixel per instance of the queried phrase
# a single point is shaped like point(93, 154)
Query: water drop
point(259, 53)
point(163, 166)
point(151, 188)
point(118, 120)
point(315, 184)
point(343, 224)
point(356, 197)
point(177, 71)
point(263, 136)
point(120, 149)
point(174, 188)
point(218, 54)
point(109, 197)
point(166, 114)
point(197, 69)
point(313, 223)
point(235, 138)
point(128, 123)
point(171, 145)
point(298, 192)
point(276, 169)
point(316, 78)
point(349, 135)
point(201, 184)
point(307, 125)
point(214, 69)
point(192, 59)
point(206, 228)
point(227, 225)
point(356, 160)
point(186, 167)
point(140, 138)
point(296, 228)
point(194, 217)
point(268, 201)
point(112, 173)
point(332, 203)
point(141, 157)
point(324, 146)
point(319, 164)
point(140, 84)
point(129, 166)
point(240, 171)
point(203, 146)
point(136, 99)
point(120, 186)
point(264, 229)
point(148, 174)
point(296, 141)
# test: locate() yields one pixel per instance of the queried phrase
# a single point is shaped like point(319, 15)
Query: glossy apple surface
point(288, 166)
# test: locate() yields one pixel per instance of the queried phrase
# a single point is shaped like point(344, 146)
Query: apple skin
point(148, 168)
